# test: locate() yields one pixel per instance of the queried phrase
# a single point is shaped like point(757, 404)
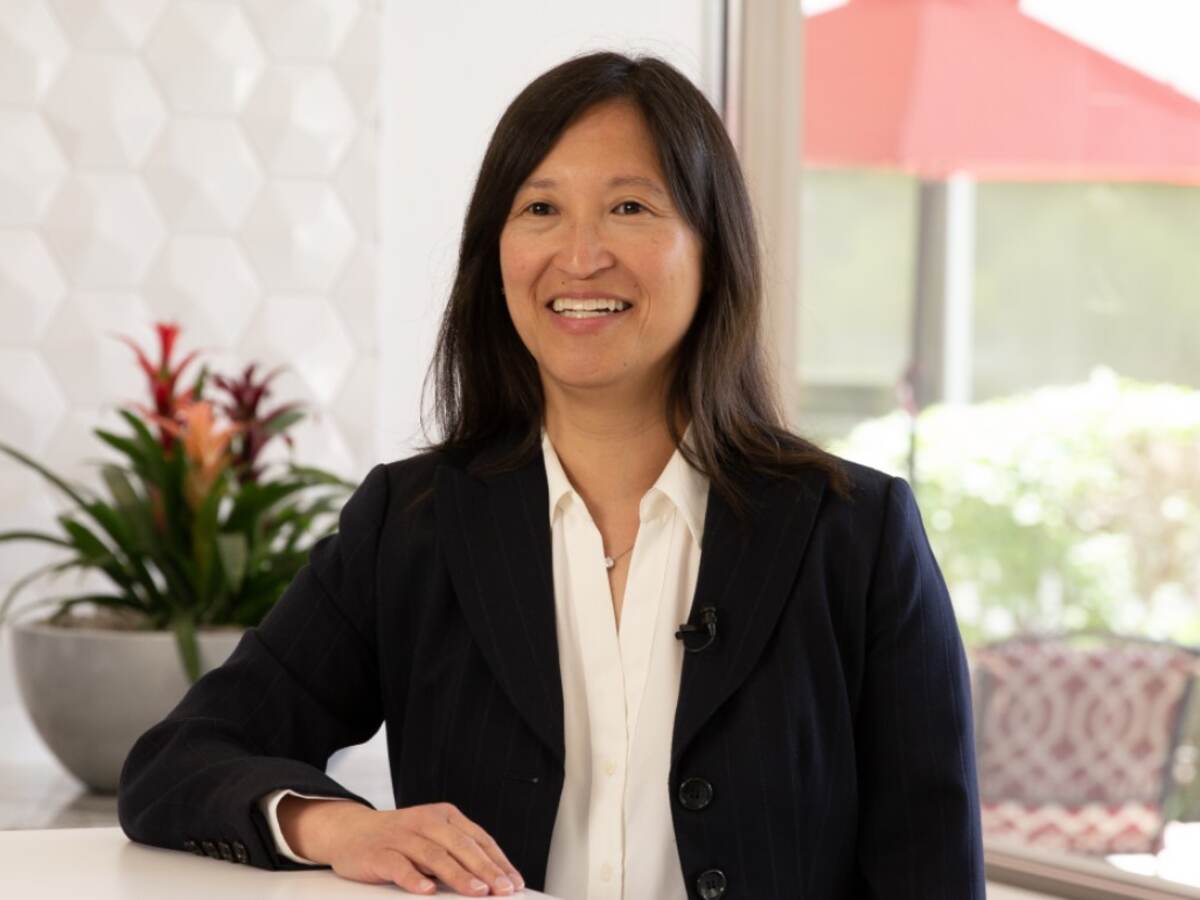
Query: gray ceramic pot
point(92, 692)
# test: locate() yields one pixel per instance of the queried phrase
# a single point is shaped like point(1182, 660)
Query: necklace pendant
point(609, 562)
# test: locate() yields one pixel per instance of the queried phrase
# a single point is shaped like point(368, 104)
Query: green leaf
point(189, 651)
point(282, 423)
point(124, 445)
point(38, 536)
point(231, 548)
point(48, 569)
point(75, 493)
point(134, 508)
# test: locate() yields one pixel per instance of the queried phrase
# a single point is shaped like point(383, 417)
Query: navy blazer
point(825, 735)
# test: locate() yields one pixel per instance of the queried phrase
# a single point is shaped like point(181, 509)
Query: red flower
point(163, 377)
point(245, 394)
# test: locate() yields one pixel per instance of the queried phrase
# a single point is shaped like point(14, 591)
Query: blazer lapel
point(496, 535)
point(748, 578)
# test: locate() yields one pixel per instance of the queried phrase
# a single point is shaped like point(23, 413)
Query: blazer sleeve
point(919, 826)
point(299, 686)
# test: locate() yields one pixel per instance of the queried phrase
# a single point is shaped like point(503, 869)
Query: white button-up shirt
point(613, 836)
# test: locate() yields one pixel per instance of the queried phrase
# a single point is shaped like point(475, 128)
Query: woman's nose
point(583, 248)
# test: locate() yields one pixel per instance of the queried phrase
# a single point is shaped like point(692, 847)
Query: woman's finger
point(399, 870)
point(469, 853)
point(435, 857)
point(489, 846)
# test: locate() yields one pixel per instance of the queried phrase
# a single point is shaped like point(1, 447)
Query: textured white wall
point(210, 162)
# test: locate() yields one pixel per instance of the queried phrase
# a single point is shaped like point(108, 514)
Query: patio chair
point(1076, 738)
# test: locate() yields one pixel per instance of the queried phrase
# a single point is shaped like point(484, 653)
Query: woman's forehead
point(648, 183)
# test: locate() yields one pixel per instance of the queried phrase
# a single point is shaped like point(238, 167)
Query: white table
point(103, 864)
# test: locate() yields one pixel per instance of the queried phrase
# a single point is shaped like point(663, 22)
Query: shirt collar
point(679, 486)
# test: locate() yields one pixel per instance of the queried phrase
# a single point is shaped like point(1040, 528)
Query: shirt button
point(606, 872)
point(610, 767)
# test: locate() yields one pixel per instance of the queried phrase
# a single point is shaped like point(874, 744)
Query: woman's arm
point(298, 687)
point(919, 827)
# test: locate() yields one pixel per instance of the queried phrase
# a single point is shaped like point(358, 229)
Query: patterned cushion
point(1093, 828)
point(1074, 743)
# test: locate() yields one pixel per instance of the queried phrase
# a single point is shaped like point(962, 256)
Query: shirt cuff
point(268, 805)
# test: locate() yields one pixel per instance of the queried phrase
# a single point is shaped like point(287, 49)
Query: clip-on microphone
point(708, 615)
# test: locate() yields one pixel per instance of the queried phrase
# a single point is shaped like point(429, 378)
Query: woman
point(631, 638)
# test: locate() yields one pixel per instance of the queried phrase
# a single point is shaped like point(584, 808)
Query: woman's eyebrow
point(617, 181)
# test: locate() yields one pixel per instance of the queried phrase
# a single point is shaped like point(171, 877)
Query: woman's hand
point(399, 846)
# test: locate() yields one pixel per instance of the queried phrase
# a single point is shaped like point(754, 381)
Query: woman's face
point(594, 221)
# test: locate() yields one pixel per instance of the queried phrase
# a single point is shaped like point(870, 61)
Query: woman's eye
point(629, 203)
point(530, 207)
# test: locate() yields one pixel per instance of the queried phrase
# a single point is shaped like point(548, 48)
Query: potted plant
point(193, 543)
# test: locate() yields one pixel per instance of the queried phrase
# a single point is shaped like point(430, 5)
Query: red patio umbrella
point(937, 88)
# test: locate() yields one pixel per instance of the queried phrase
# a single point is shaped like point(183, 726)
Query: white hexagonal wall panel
point(298, 236)
point(32, 48)
point(306, 334)
point(358, 183)
point(354, 409)
point(105, 110)
point(205, 55)
point(358, 61)
point(82, 348)
point(30, 286)
point(203, 174)
point(31, 400)
point(105, 230)
point(107, 24)
point(300, 120)
point(355, 297)
point(205, 284)
point(212, 162)
point(303, 29)
point(31, 167)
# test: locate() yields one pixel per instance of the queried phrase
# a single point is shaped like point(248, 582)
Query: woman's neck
point(611, 453)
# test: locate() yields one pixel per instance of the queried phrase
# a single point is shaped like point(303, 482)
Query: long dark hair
point(487, 382)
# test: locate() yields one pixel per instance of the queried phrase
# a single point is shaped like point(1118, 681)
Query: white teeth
point(611, 305)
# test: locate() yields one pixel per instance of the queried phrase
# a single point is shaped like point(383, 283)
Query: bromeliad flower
point(163, 377)
point(206, 446)
point(245, 394)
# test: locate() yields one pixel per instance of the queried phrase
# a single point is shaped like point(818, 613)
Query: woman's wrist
point(309, 826)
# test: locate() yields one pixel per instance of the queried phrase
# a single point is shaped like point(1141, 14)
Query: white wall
point(450, 69)
point(211, 162)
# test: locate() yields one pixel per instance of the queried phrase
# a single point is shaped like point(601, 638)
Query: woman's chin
point(596, 380)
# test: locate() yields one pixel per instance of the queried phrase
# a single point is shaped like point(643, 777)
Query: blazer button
point(192, 847)
point(226, 851)
point(711, 884)
point(210, 849)
point(695, 793)
point(239, 852)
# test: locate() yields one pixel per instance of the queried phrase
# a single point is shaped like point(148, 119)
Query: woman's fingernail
point(517, 880)
point(477, 885)
point(425, 884)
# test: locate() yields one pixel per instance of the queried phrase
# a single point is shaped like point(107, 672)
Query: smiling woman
point(610, 178)
point(601, 272)
point(631, 637)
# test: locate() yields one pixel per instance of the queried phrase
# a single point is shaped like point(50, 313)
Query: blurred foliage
point(1063, 508)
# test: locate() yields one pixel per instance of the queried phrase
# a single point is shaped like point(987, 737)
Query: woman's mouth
point(589, 308)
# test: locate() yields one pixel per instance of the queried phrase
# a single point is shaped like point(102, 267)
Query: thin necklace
point(610, 561)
